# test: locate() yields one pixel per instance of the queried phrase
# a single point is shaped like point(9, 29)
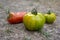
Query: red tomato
point(16, 17)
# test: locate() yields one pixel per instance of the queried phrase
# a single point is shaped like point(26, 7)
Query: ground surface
point(18, 31)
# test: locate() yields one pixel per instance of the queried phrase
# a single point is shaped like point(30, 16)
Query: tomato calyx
point(10, 15)
point(49, 12)
point(34, 11)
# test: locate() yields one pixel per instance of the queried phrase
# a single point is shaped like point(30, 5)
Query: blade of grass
point(8, 31)
point(46, 34)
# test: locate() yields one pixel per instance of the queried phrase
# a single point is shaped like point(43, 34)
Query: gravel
point(18, 31)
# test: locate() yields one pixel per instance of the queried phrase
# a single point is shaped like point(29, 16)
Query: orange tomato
point(16, 17)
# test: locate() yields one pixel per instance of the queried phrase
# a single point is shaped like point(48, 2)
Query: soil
point(18, 31)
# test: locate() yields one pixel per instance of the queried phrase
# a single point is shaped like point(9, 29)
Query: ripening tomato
point(33, 20)
point(16, 17)
point(50, 17)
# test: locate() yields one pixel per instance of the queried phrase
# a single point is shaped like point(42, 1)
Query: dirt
point(18, 31)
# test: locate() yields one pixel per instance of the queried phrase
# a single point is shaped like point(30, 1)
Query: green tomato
point(50, 17)
point(33, 21)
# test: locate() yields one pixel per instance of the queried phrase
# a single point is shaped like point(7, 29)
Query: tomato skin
point(50, 18)
point(17, 17)
point(33, 22)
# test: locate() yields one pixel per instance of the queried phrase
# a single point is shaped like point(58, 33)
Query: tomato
point(16, 17)
point(50, 17)
point(33, 20)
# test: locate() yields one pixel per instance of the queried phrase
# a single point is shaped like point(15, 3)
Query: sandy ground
point(18, 31)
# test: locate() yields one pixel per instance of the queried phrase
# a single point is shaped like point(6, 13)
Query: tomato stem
point(34, 11)
point(49, 12)
point(7, 10)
